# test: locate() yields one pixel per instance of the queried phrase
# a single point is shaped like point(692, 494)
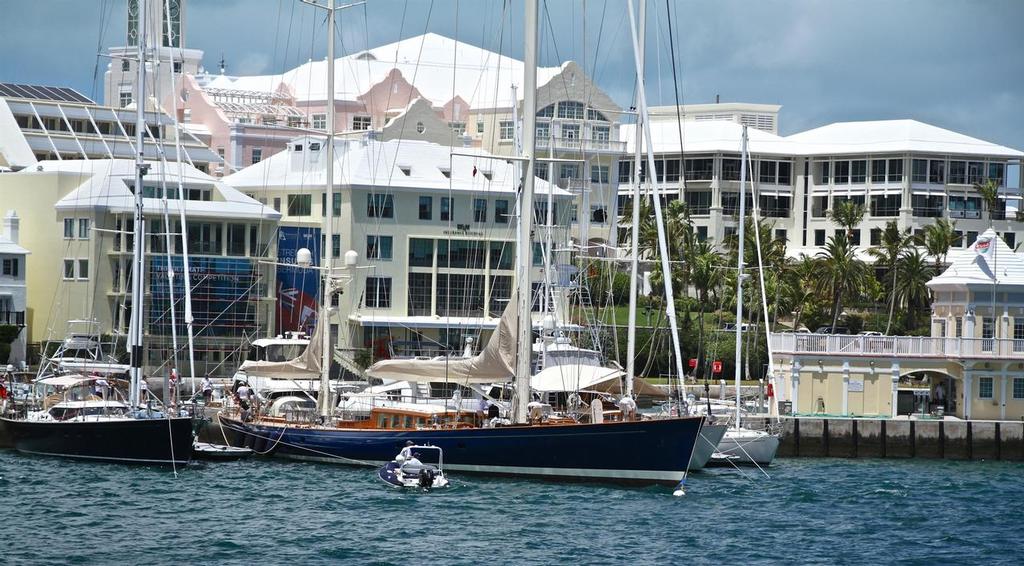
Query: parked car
point(869, 333)
point(829, 330)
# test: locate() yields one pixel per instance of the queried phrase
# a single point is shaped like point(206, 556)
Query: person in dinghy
point(407, 470)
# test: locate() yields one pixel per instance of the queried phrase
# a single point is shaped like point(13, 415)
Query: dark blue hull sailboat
point(645, 452)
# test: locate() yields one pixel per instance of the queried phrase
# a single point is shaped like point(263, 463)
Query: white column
point(968, 378)
point(1002, 396)
point(795, 385)
point(895, 385)
point(846, 388)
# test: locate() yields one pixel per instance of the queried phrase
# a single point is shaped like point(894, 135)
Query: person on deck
point(940, 395)
point(628, 408)
point(243, 394)
point(207, 390)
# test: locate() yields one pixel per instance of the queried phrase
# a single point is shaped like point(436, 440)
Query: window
point(569, 171)
point(69, 269)
point(506, 130)
point(461, 254)
point(257, 155)
point(957, 172)
point(10, 267)
point(446, 209)
point(858, 171)
point(670, 171)
point(975, 172)
point(1018, 388)
point(819, 207)
point(854, 236)
point(842, 173)
point(69, 228)
point(600, 133)
point(972, 236)
point(335, 247)
point(819, 237)
point(768, 169)
point(876, 236)
point(421, 294)
point(780, 235)
point(625, 171)
point(83, 228)
point(919, 171)
point(885, 205)
point(599, 173)
point(774, 207)
point(319, 121)
point(730, 169)
point(458, 128)
point(480, 127)
point(501, 211)
point(702, 233)
point(277, 204)
point(824, 172)
point(360, 122)
point(959, 327)
point(124, 98)
point(83, 269)
point(204, 238)
point(699, 169)
point(1010, 238)
point(731, 203)
point(378, 247)
point(300, 205)
point(927, 206)
point(126, 65)
point(336, 204)
point(421, 252)
point(699, 202)
point(785, 173)
point(380, 205)
point(547, 112)
point(895, 170)
point(502, 255)
point(460, 295)
point(426, 208)
point(378, 293)
point(479, 210)
point(996, 172)
point(570, 109)
point(985, 387)
point(936, 172)
point(598, 214)
point(571, 131)
point(543, 131)
point(236, 239)
point(878, 171)
point(987, 333)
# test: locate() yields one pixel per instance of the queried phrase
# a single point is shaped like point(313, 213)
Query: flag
point(474, 170)
point(984, 247)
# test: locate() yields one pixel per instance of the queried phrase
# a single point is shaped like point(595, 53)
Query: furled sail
point(306, 365)
point(568, 378)
point(495, 363)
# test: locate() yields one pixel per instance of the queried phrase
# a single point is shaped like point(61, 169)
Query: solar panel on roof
point(37, 92)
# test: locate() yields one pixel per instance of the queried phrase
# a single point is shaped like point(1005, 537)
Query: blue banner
point(225, 295)
point(298, 290)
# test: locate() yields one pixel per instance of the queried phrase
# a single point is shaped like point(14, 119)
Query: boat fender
point(771, 390)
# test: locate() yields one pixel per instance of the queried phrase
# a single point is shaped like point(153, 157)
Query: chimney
point(11, 222)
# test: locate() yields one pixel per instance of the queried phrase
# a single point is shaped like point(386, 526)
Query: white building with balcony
point(975, 353)
point(13, 290)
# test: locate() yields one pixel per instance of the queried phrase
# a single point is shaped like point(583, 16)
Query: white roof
point(105, 186)
point(1005, 268)
point(893, 136)
point(9, 247)
point(482, 78)
point(706, 137)
point(372, 163)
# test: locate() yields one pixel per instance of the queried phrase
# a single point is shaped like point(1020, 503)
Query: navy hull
point(131, 441)
point(654, 451)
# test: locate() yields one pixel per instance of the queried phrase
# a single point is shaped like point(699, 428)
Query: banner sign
point(298, 289)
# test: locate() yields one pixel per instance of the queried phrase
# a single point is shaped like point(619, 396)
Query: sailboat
point(742, 445)
point(101, 427)
point(635, 451)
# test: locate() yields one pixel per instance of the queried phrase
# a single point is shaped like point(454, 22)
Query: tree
point(989, 192)
point(915, 273)
point(847, 214)
point(705, 266)
point(798, 288)
point(893, 244)
point(938, 238)
point(841, 274)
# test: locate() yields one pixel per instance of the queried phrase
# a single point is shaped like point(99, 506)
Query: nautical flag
point(984, 247)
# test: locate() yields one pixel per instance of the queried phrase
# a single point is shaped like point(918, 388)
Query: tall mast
point(739, 273)
point(324, 398)
point(138, 259)
point(634, 251)
point(524, 243)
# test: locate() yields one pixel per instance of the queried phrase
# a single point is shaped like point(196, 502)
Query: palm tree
point(913, 283)
point(938, 238)
point(847, 214)
point(841, 274)
point(798, 286)
point(989, 192)
point(894, 243)
point(705, 266)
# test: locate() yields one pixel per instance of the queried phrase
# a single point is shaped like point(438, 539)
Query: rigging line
point(675, 85)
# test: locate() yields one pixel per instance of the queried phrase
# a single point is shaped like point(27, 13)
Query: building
point(764, 117)
point(79, 222)
point(13, 291)
point(974, 354)
point(899, 170)
point(434, 232)
point(40, 123)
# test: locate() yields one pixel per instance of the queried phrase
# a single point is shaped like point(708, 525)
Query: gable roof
point(1002, 266)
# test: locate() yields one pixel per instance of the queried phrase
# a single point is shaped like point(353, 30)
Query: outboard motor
point(426, 478)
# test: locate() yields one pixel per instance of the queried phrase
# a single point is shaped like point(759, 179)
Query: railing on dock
point(902, 346)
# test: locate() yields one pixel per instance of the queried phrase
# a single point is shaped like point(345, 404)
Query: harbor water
point(811, 511)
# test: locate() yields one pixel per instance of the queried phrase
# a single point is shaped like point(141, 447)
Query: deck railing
point(901, 346)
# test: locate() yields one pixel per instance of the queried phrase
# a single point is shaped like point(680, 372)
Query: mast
point(739, 273)
point(138, 258)
point(670, 305)
point(634, 259)
point(524, 240)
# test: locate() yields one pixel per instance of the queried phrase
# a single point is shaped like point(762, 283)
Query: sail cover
point(494, 364)
point(306, 365)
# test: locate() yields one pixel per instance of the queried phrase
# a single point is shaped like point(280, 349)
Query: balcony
point(579, 144)
point(897, 346)
point(12, 318)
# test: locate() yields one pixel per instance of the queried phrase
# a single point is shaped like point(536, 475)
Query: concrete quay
point(811, 437)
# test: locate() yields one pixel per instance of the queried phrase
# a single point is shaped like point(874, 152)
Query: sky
point(955, 64)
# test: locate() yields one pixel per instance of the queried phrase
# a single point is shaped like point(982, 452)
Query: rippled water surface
point(270, 512)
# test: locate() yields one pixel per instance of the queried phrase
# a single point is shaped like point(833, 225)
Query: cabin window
point(395, 421)
point(407, 422)
point(382, 421)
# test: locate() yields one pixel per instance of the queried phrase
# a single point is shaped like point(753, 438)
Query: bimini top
point(988, 261)
point(107, 184)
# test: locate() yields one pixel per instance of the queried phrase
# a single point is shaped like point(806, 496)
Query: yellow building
point(974, 358)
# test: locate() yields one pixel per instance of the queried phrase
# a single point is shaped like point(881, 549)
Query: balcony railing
point(581, 144)
point(15, 318)
point(901, 346)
